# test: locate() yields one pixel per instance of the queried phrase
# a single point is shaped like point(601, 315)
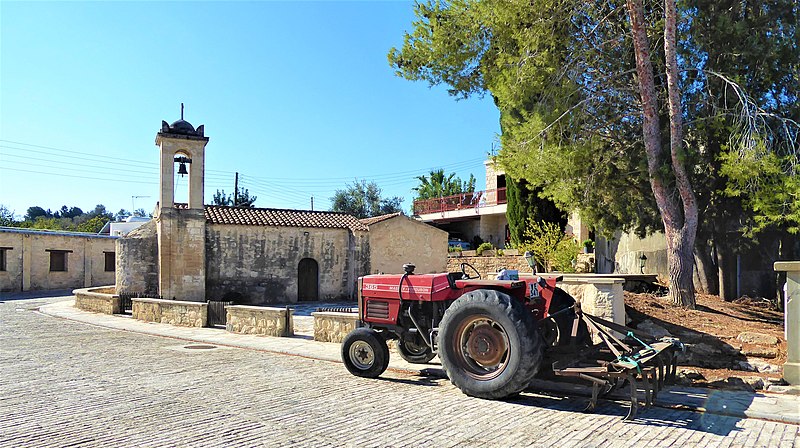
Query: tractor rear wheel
point(488, 344)
point(365, 353)
point(415, 350)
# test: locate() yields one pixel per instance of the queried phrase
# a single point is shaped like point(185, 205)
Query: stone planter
point(173, 312)
point(98, 300)
point(259, 320)
point(333, 327)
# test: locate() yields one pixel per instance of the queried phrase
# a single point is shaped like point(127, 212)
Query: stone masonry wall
point(97, 300)
point(333, 327)
point(401, 240)
point(490, 265)
point(260, 263)
point(173, 312)
point(137, 260)
point(28, 260)
point(181, 253)
point(258, 320)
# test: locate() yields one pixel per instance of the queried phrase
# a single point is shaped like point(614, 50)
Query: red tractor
point(493, 336)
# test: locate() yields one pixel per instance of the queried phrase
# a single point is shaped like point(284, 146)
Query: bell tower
point(181, 227)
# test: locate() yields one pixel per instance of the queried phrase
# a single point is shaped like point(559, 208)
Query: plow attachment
point(624, 356)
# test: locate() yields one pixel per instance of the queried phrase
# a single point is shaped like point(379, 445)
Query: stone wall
point(260, 263)
point(28, 259)
point(181, 253)
point(259, 320)
point(173, 312)
point(333, 327)
point(399, 240)
point(98, 300)
point(137, 260)
point(490, 265)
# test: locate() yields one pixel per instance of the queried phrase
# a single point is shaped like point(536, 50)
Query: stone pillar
point(27, 258)
point(791, 370)
point(602, 297)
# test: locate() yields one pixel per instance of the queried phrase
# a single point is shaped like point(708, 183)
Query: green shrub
point(483, 247)
point(551, 248)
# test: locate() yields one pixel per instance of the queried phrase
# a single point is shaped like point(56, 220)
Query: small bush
point(483, 247)
point(551, 248)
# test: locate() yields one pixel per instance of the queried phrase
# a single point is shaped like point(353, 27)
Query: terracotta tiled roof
point(377, 219)
point(216, 214)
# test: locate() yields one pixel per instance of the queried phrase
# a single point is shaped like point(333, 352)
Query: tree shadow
point(714, 352)
point(754, 316)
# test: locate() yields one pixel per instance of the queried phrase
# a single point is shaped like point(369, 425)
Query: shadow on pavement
point(9, 296)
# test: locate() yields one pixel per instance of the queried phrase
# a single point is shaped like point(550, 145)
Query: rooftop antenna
point(181, 111)
point(133, 202)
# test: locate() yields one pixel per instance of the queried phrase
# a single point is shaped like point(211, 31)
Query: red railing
point(461, 201)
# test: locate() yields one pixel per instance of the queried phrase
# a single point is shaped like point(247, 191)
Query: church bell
point(182, 167)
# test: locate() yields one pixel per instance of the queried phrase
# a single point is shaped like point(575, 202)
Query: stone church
point(258, 256)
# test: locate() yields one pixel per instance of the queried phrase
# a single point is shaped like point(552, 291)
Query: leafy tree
point(35, 212)
point(363, 200)
point(99, 210)
point(551, 247)
point(141, 213)
point(525, 206)
point(121, 215)
point(572, 113)
point(242, 199)
point(94, 224)
point(6, 217)
point(438, 185)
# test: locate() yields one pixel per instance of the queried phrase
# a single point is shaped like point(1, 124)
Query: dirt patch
point(716, 356)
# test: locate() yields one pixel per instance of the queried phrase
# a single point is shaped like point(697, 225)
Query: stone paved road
point(64, 383)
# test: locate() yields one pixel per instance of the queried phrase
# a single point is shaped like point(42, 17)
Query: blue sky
point(296, 96)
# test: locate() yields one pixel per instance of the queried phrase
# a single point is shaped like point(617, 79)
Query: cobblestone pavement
point(65, 383)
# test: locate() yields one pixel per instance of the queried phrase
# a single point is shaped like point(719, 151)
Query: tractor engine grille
point(377, 309)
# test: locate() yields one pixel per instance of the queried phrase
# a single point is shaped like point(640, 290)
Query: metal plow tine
point(647, 383)
point(593, 402)
point(672, 367)
point(634, 400)
point(661, 370)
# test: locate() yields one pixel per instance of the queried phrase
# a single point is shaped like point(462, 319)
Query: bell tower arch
point(181, 227)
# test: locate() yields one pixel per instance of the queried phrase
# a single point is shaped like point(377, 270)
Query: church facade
point(258, 256)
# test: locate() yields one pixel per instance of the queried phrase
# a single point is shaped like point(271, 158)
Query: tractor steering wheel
point(466, 276)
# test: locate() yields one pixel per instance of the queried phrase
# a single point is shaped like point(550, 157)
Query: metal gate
point(126, 302)
point(216, 313)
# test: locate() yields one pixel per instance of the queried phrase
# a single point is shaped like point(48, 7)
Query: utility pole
point(236, 190)
point(312, 203)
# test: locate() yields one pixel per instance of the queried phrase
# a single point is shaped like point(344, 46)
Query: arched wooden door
point(308, 280)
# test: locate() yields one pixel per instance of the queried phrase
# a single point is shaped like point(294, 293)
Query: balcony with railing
point(462, 201)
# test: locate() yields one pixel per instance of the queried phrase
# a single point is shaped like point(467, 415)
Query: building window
point(110, 260)
point(3, 257)
point(58, 260)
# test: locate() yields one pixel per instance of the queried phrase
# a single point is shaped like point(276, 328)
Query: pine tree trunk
point(679, 218)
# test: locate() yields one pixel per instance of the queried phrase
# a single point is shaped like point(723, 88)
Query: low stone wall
point(173, 312)
point(489, 265)
point(259, 320)
point(98, 300)
point(333, 327)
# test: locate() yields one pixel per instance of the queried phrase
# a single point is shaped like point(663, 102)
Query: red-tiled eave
point(377, 219)
point(217, 214)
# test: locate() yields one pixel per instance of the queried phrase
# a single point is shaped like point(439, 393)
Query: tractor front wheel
point(365, 353)
point(488, 344)
point(415, 350)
